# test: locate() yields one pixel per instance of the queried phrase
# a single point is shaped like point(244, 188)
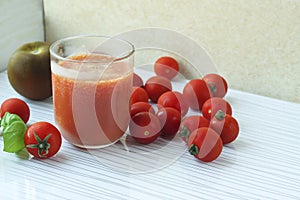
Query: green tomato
point(29, 70)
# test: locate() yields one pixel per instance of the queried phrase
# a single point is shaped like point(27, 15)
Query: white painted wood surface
point(263, 163)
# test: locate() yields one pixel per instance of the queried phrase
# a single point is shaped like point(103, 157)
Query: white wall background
point(21, 21)
point(255, 44)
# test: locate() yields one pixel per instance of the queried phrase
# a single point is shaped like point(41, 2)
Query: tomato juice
point(91, 98)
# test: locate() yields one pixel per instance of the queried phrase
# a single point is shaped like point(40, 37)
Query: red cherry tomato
point(170, 120)
point(42, 140)
point(140, 107)
point(167, 67)
point(213, 105)
point(217, 84)
point(196, 92)
point(16, 106)
point(139, 94)
point(175, 100)
point(144, 127)
point(226, 125)
point(205, 144)
point(191, 123)
point(156, 86)
point(137, 80)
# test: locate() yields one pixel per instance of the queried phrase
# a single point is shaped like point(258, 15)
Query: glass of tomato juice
point(92, 82)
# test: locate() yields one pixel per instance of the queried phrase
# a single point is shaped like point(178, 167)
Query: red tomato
point(144, 127)
point(226, 125)
point(42, 140)
point(16, 106)
point(156, 86)
point(167, 67)
point(139, 94)
point(174, 100)
point(217, 84)
point(191, 123)
point(213, 105)
point(196, 92)
point(137, 80)
point(170, 120)
point(205, 144)
point(140, 107)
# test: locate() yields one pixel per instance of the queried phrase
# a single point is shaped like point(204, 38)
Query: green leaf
point(23, 154)
point(9, 118)
point(13, 136)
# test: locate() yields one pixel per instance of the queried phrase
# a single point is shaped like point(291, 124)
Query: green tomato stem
point(220, 115)
point(212, 87)
point(184, 133)
point(193, 149)
point(42, 145)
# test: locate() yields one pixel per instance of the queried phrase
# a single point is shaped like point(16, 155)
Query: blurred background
point(254, 44)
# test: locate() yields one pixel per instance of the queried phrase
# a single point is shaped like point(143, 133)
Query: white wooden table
point(263, 163)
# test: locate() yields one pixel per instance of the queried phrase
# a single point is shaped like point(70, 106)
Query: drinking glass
point(92, 82)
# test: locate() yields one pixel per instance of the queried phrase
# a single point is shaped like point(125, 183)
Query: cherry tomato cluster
point(41, 139)
point(205, 133)
point(215, 126)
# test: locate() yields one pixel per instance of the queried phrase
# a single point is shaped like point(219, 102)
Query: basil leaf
point(13, 136)
point(9, 118)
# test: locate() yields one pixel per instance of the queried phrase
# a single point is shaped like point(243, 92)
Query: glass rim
point(57, 42)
